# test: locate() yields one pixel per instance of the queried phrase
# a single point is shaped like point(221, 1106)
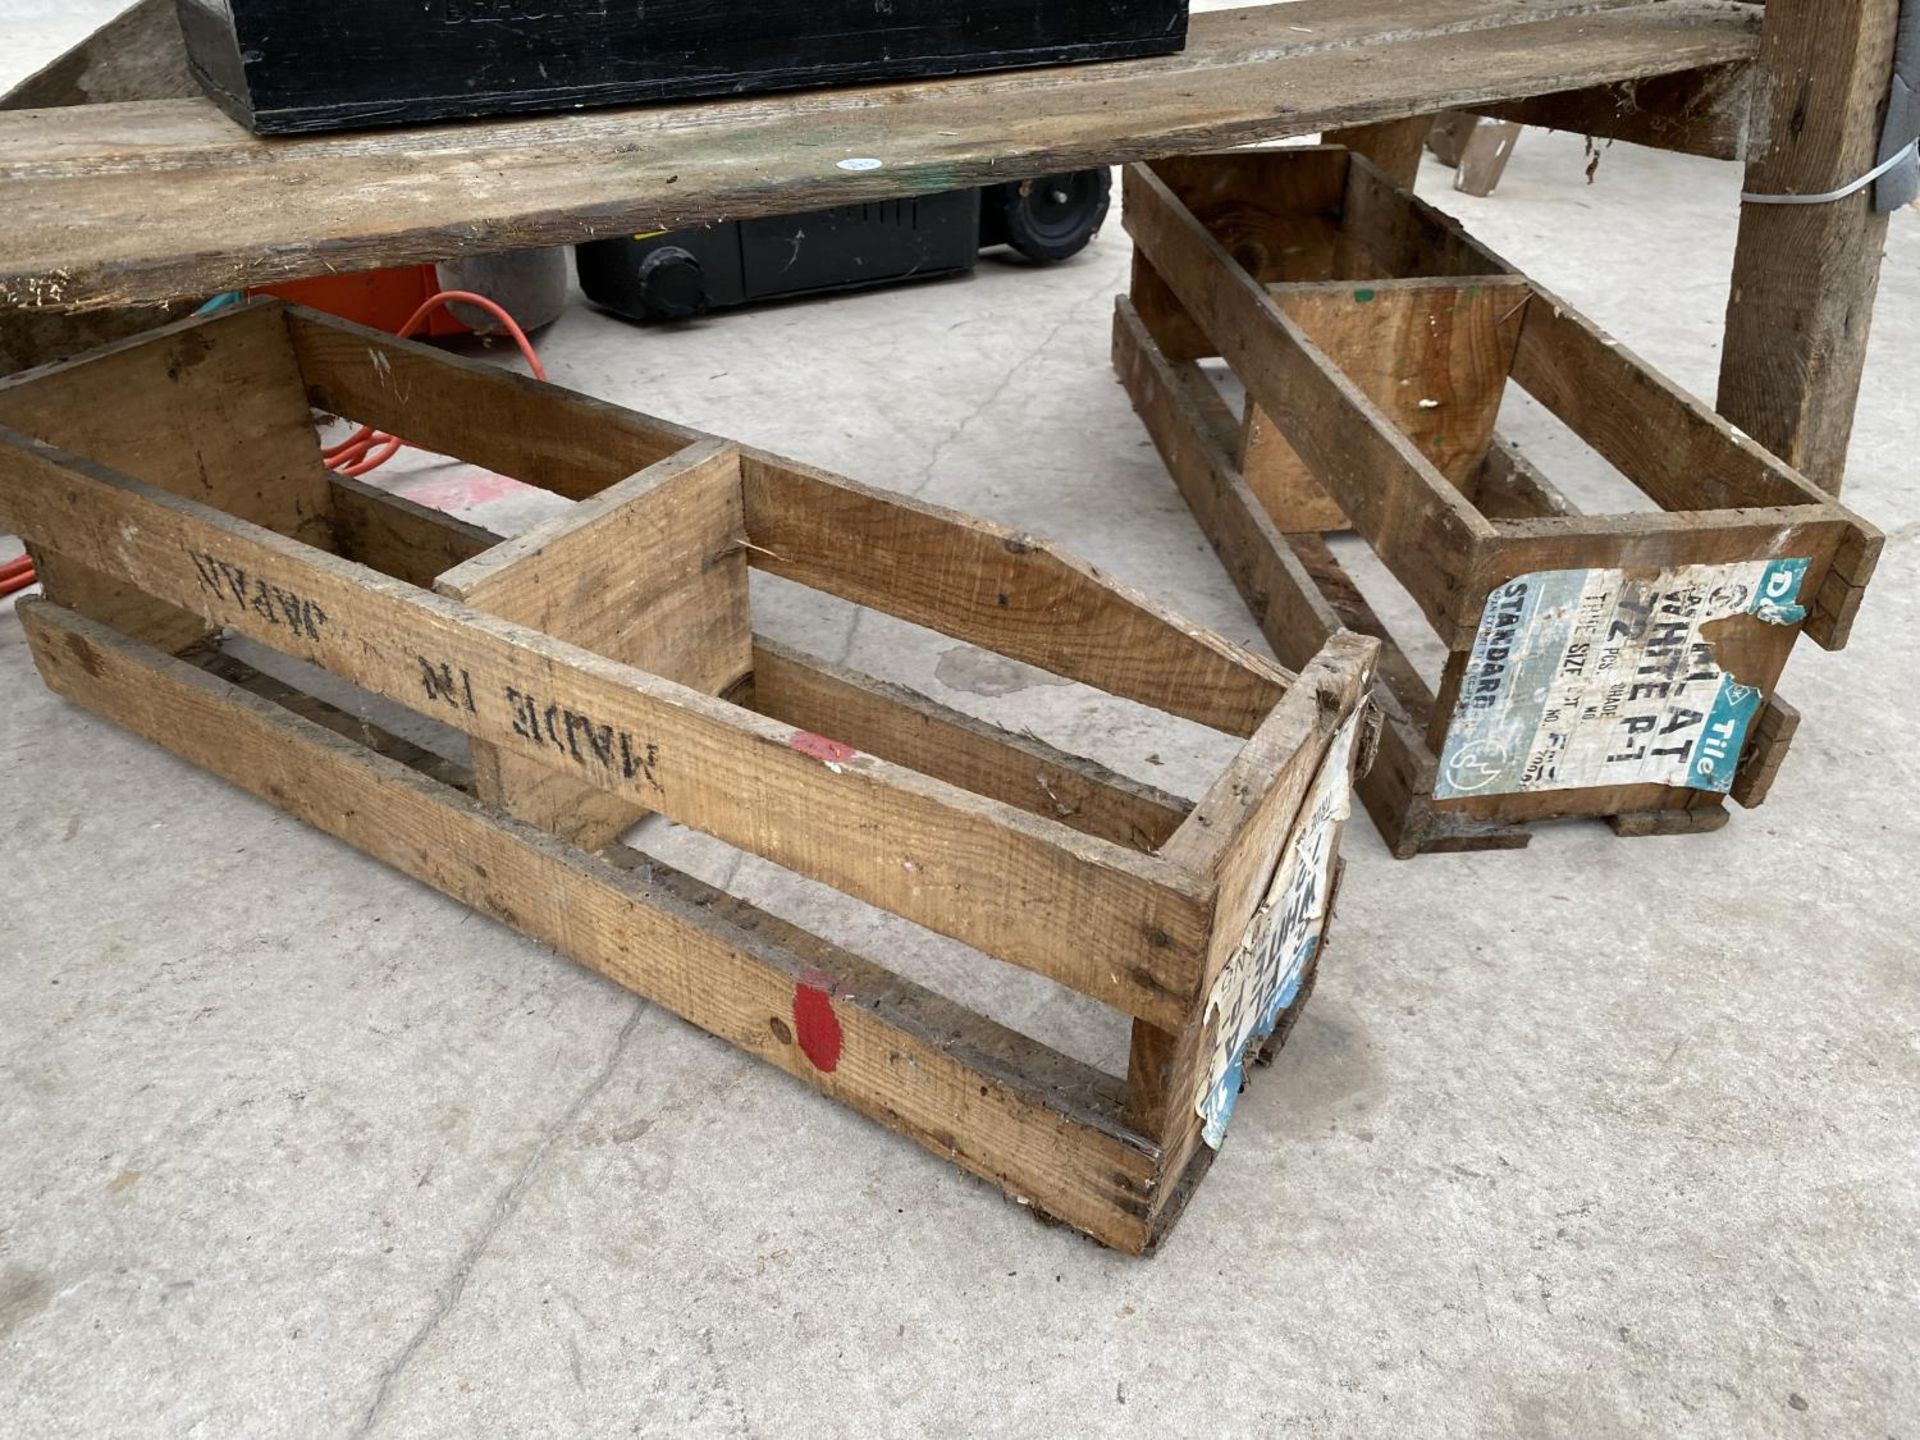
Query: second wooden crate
point(1614, 665)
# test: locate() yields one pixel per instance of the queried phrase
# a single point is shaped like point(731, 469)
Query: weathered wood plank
point(890, 721)
point(996, 587)
point(1127, 928)
point(1260, 798)
point(907, 728)
point(1432, 355)
point(1190, 425)
point(1667, 443)
point(1844, 551)
point(923, 1066)
point(1696, 112)
point(1767, 748)
point(1476, 147)
point(170, 198)
point(649, 572)
point(541, 434)
point(397, 537)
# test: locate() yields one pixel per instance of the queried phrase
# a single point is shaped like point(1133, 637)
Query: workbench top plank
point(116, 204)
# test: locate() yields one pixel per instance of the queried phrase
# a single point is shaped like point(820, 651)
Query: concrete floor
point(1601, 1138)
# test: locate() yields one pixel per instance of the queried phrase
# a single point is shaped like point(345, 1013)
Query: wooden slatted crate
point(604, 666)
point(1615, 665)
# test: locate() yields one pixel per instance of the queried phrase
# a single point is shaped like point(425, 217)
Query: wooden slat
point(217, 660)
point(1703, 817)
point(541, 434)
point(1837, 601)
point(649, 572)
point(1511, 487)
point(416, 544)
point(1388, 233)
point(1165, 318)
point(1277, 212)
point(397, 537)
point(1844, 551)
point(170, 198)
point(1242, 800)
point(1432, 355)
point(907, 728)
point(995, 587)
point(1675, 449)
point(1697, 112)
point(210, 409)
point(1477, 147)
point(1126, 928)
point(1188, 422)
point(921, 1065)
point(1419, 524)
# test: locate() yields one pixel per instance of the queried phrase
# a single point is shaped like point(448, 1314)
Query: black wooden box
point(285, 66)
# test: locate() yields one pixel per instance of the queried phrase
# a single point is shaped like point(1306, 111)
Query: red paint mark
point(814, 1023)
point(820, 747)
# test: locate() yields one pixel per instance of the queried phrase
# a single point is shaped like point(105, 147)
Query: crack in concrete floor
point(504, 1209)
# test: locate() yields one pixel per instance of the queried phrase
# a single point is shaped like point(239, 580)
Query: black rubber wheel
point(672, 285)
point(1047, 219)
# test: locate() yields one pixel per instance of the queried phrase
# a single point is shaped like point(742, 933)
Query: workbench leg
point(1804, 276)
point(1393, 145)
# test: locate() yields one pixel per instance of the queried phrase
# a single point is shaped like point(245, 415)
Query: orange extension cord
point(364, 450)
point(16, 574)
point(367, 448)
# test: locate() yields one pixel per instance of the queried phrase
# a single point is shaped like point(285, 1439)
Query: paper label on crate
point(1262, 976)
point(1596, 677)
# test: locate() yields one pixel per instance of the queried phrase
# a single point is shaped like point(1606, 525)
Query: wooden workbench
point(116, 204)
point(105, 206)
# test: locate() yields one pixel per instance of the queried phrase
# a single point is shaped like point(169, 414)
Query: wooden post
point(1393, 145)
point(1804, 276)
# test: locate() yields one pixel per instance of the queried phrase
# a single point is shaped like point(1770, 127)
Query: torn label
point(1262, 977)
point(1588, 677)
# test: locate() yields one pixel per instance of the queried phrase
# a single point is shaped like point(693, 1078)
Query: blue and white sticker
point(1262, 977)
point(1582, 678)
